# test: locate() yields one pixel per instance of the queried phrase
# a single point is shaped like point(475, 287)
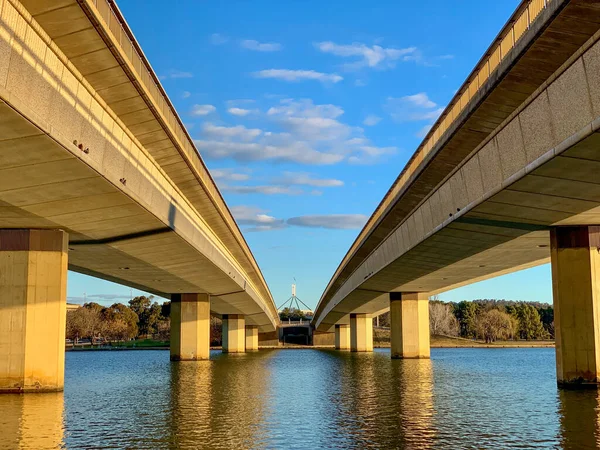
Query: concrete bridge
point(98, 175)
point(507, 178)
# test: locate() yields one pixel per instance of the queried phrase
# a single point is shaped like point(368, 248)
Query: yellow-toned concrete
point(361, 333)
point(576, 290)
point(190, 327)
point(33, 282)
point(342, 337)
point(521, 156)
point(251, 338)
point(134, 214)
point(409, 322)
point(234, 333)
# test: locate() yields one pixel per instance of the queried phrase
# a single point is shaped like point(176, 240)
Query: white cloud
point(263, 189)
point(305, 179)
point(256, 217)
point(256, 46)
point(276, 148)
point(303, 133)
point(423, 131)
point(414, 108)
point(240, 112)
point(238, 132)
point(298, 75)
point(175, 74)
point(229, 174)
point(371, 120)
point(374, 56)
point(186, 94)
point(258, 220)
point(218, 39)
point(421, 99)
point(330, 221)
point(202, 110)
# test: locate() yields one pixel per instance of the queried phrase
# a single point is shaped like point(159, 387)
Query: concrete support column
point(342, 337)
point(190, 327)
point(251, 338)
point(361, 333)
point(33, 302)
point(234, 333)
point(576, 289)
point(409, 323)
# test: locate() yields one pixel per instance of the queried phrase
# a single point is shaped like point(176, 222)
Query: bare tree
point(441, 319)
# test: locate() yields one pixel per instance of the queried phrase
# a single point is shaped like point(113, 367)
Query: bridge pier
point(342, 337)
point(409, 324)
point(575, 261)
point(234, 333)
point(361, 333)
point(190, 327)
point(251, 338)
point(33, 302)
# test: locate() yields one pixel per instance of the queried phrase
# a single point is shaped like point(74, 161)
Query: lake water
point(305, 399)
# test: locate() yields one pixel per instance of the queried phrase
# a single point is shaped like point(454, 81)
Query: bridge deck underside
point(43, 185)
point(506, 233)
point(556, 35)
point(522, 156)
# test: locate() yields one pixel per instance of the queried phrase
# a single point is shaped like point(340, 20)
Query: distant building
point(72, 306)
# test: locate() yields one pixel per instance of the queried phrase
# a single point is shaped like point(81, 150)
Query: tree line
point(141, 318)
point(119, 322)
point(489, 319)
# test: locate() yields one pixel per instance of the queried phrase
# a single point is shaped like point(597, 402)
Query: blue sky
point(306, 112)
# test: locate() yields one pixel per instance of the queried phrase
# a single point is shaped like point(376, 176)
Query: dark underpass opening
point(299, 335)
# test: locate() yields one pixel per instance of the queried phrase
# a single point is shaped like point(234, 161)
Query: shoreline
point(538, 344)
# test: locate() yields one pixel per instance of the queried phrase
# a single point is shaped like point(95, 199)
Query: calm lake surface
point(461, 398)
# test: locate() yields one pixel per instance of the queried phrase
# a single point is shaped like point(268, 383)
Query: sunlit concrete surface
point(515, 153)
point(409, 317)
point(91, 145)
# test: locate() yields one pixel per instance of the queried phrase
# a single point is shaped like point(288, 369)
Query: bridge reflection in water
point(271, 399)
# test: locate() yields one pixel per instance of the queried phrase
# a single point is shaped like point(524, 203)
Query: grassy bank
point(141, 344)
point(381, 338)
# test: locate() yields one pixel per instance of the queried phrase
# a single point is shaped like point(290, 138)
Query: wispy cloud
point(218, 39)
point(303, 132)
point(421, 99)
point(238, 132)
point(240, 112)
point(298, 75)
point(330, 221)
point(414, 108)
point(186, 94)
point(176, 74)
point(373, 56)
point(229, 174)
point(251, 44)
point(202, 110)
point(306, 179)
point(263, 189)
point(257, 219)
point(371, 120)
point(417, 107)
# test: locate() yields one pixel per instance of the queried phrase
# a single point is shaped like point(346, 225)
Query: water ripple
point(461, 398)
